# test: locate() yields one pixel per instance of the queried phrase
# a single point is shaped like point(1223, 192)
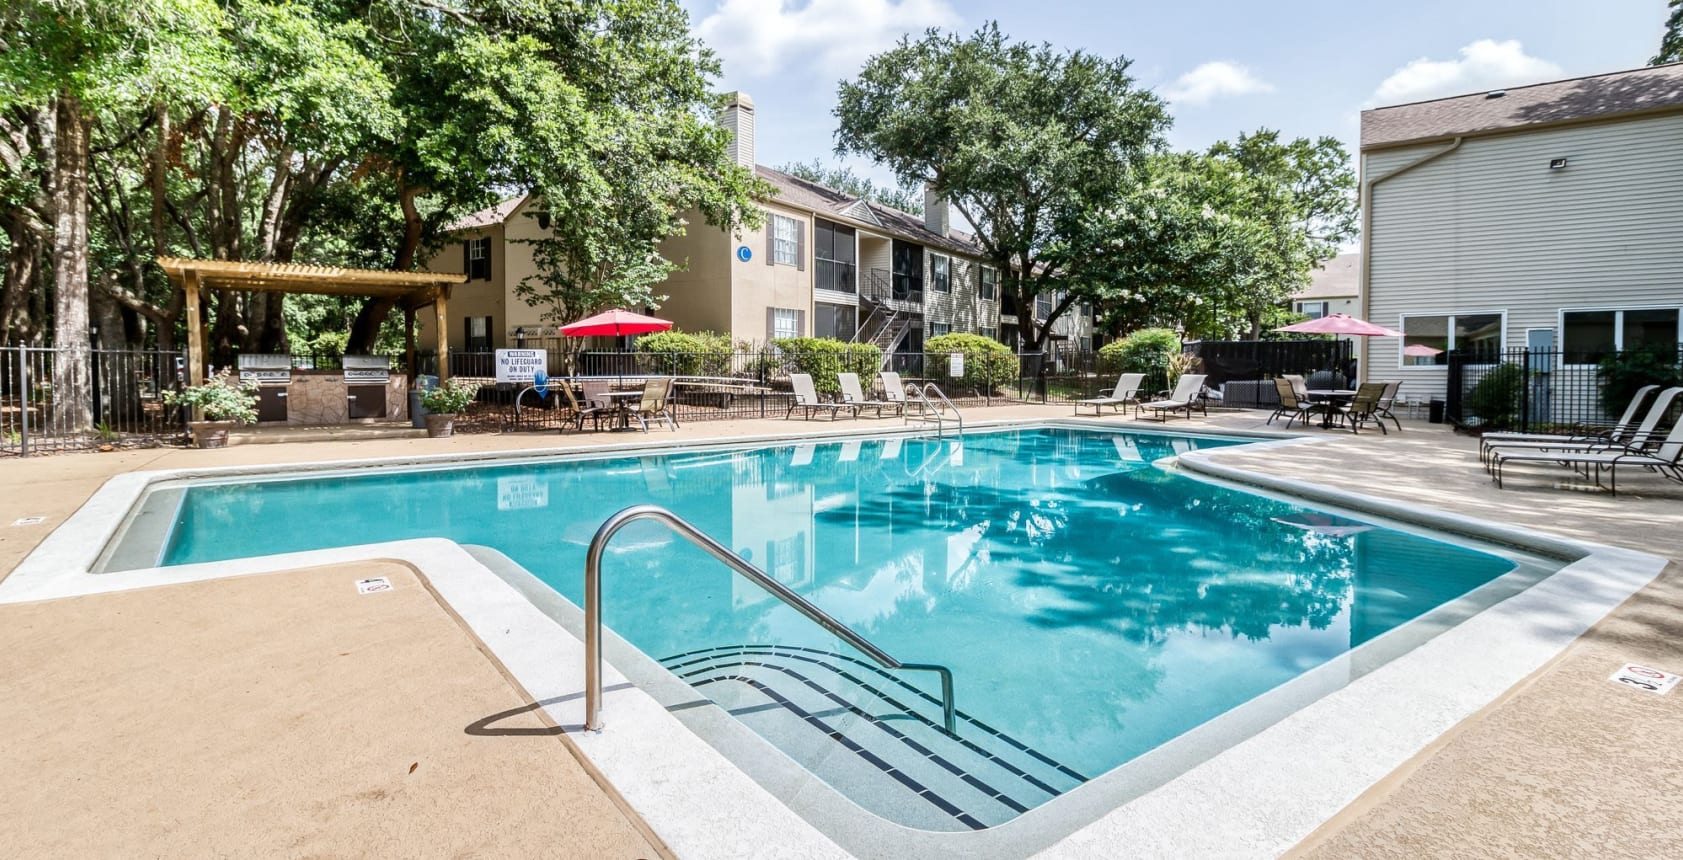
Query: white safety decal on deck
point(1644, 678)
point(29, 521)
point(369, 586)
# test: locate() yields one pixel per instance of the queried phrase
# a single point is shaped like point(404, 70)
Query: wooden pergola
point(413, 290)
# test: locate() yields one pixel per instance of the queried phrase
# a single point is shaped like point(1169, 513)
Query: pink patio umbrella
point(615, 323)
point(1341, 324)
point(1420, 350)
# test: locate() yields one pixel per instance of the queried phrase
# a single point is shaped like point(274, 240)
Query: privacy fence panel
point(1543, 389)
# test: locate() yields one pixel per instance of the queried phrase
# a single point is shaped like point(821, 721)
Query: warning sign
point(1644, 678)
point(370, 586)
point(521, 493)
point(521, 365)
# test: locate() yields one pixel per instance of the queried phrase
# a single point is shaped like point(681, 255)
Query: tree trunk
point(72, 388)
point(365, 330)
point(23, 258)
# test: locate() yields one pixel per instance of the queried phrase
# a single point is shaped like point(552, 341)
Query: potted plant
point(443, 402)
point(225, 402)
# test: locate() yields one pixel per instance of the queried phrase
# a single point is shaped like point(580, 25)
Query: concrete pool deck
point(1530, 804)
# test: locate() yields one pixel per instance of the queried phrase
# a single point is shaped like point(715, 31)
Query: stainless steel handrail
point(928, 407)
point(593, 608)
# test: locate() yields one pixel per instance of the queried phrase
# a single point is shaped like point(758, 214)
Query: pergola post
point(441, 318)
point(195, 328)
point(409, 341)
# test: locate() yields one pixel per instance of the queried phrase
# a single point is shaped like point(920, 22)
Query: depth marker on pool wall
point(1644, 678)
point(370, 586)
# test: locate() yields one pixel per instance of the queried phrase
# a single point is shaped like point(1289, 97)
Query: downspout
point(1367, 231)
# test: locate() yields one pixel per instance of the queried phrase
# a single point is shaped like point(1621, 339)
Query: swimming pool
point(1091, 606)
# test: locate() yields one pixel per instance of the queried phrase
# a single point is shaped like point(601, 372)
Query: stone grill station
point(363, 389)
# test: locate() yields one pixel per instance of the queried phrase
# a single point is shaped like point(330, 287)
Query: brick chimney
point(738, 119)
point(935, 211)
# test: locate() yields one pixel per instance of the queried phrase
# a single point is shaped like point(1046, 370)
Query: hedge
point(988, 364)
point(1148, 351)
point(676, 353)
point(824, 357)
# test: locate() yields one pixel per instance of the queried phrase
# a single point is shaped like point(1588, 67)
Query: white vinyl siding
point(1491, 226)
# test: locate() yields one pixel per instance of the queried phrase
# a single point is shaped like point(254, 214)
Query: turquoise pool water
point(1090, 605)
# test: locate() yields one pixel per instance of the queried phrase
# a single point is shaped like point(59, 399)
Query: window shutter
point(467, 333)
point(800, 323)
point(490, 334)
point(467, 258)
point(771, 240)
point(800, 246)
point(771, 325)
point(487, 241)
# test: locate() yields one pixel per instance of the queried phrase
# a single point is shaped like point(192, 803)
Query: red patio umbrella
point(1341, 324)
point(615, 323)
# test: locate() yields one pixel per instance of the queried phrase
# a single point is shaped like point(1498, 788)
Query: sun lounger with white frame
point(806, 398)
point(1182, 399)
point(1127, 391)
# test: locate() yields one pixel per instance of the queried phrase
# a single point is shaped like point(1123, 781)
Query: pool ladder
point(933, 405)
point(680, 526)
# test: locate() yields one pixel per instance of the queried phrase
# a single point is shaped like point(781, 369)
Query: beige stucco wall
point(698, 295)
point(756, 286)
point(474, 298)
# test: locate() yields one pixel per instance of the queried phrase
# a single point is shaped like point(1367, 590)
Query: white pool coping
point(1256, 798)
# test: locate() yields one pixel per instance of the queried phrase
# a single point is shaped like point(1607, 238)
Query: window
point(989, 288)
point(1586, 335)
point(837, 321)
point(785, 241)
point(478, 334)
point(1434, 337)
point(937, 329)
point(833, 256)
point(940, 273)
point(989, 332)
point(1008, 336)
point(908, 271)
point(478, 266)
point(1042, 306)
point(785, 323)
point(1313, 310)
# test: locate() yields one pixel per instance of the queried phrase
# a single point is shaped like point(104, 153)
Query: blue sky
point(1305, 67)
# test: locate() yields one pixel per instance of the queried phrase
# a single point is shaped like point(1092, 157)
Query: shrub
point(1150, 351)
point(1495, 399)
point(676, 353)
point(988, 364)
point(450, 398)
point(223, 397)
point(1621, 373)
point(824, 357)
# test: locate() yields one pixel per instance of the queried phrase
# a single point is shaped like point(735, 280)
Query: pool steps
point(853, 723)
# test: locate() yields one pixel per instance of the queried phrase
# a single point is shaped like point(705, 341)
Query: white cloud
point(1484, 65)
point(833, 37)
point(1215, 80)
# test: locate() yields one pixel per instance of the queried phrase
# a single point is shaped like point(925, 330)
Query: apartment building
point(824, 264)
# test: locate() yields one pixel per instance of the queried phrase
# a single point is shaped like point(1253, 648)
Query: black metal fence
point(1540, 389)
point(1251, 360)
point(72, 399)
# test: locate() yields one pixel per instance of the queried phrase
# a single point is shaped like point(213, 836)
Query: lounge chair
point(1363, 408)
point(853, 393)
point(656, 404)
point(1183, 399)
point(1619, 432)
point(1634, 440)
point(1292, 406)
point(1127, 391)
point(806, 398)
point(893, 390)
point(577, 411)
point(1386, 401)
point(1666, 460)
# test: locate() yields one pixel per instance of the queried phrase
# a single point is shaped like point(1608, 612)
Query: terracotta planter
point(440, 426)
point(211, 434)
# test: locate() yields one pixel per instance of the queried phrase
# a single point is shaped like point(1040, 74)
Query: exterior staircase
point(887, 319)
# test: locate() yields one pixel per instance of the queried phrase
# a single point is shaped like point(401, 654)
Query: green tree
point(843, 178)
point(1028, 144)
point(1671, 43)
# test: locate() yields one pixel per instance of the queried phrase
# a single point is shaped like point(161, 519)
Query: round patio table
point(621, 401)
point(1330, 396)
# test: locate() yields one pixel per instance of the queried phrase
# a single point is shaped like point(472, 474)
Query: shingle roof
point(486, 217)
point(1338, 277)
point(831, 202)
point(1651, 88)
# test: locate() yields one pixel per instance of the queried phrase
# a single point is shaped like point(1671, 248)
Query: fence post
point(23, 394)
point(1452, 394)
point(1525, 390)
